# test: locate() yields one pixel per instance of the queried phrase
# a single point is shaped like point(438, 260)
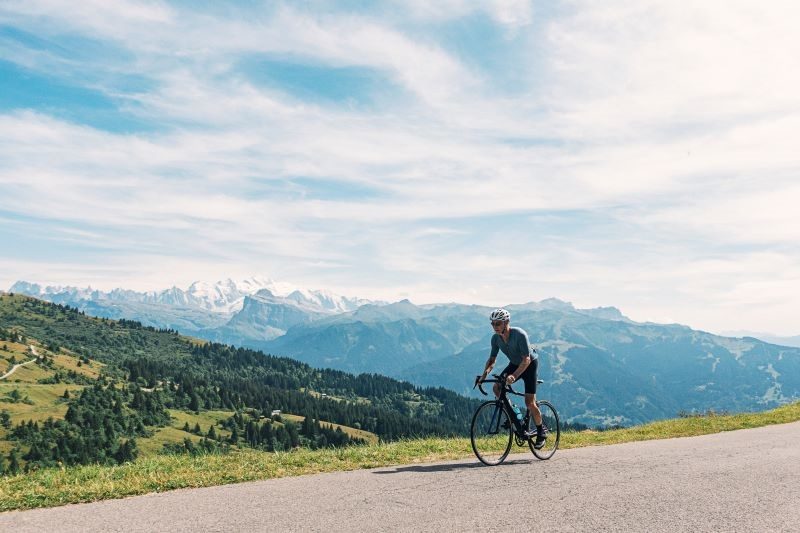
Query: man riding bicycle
point(523, 363)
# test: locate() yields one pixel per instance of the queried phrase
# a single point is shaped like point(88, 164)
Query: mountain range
point(216, 311)
point(766, 337)
point(600, 367)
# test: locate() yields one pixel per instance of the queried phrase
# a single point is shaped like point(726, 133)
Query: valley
point(600, 367)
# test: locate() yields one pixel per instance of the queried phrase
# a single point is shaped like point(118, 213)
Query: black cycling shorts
point(529, 376)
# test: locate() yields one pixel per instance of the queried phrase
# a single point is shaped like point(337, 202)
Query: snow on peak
point(225, 296)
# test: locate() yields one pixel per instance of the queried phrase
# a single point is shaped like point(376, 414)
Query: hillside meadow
point(158, 473)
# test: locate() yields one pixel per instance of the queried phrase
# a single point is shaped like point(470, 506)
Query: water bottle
point(517, 412)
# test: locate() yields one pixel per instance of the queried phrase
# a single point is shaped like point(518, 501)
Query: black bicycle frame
point(504, 401)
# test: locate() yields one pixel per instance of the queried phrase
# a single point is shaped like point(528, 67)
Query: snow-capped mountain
point(266, 315)
point(55, 293)
point(225, 296)
point(229, 311)
point(325, 300)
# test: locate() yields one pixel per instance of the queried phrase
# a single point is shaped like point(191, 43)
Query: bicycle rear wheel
point(552, 429)
point(490, 433)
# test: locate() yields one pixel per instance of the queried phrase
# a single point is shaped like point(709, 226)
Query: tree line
point(164, 370)
point(100, 426)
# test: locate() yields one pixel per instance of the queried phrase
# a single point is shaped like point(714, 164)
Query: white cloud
point(512, 13)
point(106, 19)
point(675, 122)
point(625, 69)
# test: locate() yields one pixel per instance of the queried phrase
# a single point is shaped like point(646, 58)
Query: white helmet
point(500, 314)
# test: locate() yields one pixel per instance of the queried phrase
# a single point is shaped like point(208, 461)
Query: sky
point(642, 155)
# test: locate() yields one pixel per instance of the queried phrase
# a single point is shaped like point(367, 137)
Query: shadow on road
point(447, 467)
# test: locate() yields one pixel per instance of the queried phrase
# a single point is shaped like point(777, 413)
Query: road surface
point(740, 481)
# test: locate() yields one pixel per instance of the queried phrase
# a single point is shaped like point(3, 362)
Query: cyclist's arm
point(526, 361)
point(492, 358)
point(489, 366)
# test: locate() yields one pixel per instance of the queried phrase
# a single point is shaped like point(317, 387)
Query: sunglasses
point(496, 323)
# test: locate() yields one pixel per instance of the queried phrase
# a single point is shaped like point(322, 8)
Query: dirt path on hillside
point(15, 367)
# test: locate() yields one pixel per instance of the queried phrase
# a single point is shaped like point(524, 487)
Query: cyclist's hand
point(510, 379)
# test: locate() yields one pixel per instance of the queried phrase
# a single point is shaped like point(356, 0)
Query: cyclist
point(523, 363)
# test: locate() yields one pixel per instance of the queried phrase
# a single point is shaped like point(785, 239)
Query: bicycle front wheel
point(491, 433)
point(552, 429)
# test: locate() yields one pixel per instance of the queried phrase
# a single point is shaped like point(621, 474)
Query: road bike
point(495, 425)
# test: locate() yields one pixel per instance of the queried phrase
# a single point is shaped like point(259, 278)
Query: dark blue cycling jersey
point(516, 348)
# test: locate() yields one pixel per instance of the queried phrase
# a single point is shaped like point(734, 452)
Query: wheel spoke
point(490, 433)
point(552, 428)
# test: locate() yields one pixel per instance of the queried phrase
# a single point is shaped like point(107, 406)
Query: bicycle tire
point(552, 427)
point(491, 442)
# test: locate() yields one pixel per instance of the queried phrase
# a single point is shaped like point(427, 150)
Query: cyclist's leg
point(530, 403)
point(529, 376)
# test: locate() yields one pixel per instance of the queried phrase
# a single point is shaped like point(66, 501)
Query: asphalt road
point(738, 481)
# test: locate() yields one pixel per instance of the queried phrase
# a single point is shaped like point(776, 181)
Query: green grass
point(206, 419)
point(174, 432)
point(33, 372)
point(52, 487)
point(28, 374)
point(151, 446)
point(46, 403)
point(47, 400)
point(70, 362)
point(368, 437)
point(20, 351)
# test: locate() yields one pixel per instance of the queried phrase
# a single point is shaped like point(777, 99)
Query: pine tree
point(294, 435)
point(126, 452)
point(307, 428)
point(189, 445)
point(194, 403)
point(13, 462)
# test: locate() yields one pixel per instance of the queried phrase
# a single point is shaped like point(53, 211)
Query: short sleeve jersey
point(516, 348)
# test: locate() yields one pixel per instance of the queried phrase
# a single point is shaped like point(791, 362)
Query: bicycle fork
point(494, 424)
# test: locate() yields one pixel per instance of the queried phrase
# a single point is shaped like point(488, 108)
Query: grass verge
point(52, 487)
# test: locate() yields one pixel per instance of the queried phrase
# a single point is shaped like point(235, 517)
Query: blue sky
point(637, 155)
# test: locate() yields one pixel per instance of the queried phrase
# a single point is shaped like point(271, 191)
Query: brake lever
point(479, 384)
